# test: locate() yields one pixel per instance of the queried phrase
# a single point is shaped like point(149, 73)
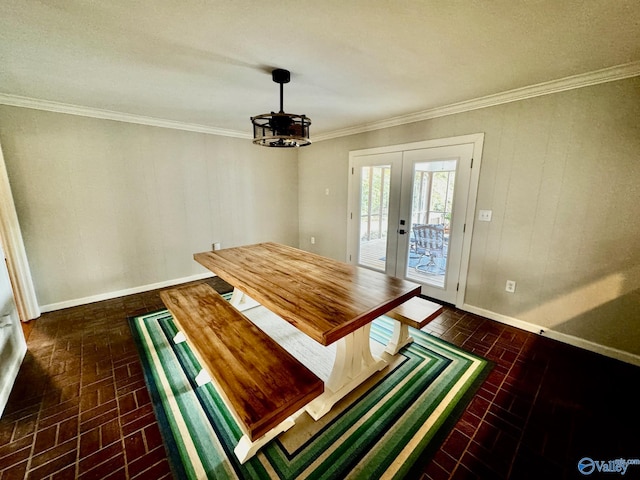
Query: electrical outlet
point(484, 215)
point(511, 286)
point(216, 246)
point(313, 240)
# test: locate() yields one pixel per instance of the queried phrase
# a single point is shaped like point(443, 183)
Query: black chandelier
point(281, 129)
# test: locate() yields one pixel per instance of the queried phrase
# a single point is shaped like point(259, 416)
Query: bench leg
point(353, 364)
point(242, 301)
point(399, 339)
point(247, 449)
point(202, 378)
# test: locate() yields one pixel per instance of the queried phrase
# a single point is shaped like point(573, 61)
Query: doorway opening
point(411, 203)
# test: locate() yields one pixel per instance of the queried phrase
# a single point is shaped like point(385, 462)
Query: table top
point(324, 298)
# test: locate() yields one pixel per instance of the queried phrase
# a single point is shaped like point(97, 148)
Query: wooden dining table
point(328, 300)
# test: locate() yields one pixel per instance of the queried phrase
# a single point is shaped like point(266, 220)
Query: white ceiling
point(352, 62)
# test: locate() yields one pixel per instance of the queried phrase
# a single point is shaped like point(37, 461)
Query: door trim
point(477, 139)
point(14, 250)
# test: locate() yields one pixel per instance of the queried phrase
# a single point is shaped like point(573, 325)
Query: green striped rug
point(388, 429)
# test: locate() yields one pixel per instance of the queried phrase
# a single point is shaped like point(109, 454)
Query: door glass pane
point(374, 215)
point(431, 207)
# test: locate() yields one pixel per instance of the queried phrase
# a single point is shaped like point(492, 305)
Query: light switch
point(484, 215)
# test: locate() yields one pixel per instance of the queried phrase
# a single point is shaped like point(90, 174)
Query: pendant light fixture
point(281, 129)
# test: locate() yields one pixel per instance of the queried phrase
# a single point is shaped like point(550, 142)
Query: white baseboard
point(511, 321)
point(122, 293)
point(555, 335)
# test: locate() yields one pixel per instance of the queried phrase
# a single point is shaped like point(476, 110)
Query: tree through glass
point(374, 214)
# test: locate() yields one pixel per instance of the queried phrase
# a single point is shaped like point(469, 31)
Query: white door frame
point(16, 256)
point(477, 139)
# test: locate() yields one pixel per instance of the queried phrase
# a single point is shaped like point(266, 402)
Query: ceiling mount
point(281, 76)
point(281, 129)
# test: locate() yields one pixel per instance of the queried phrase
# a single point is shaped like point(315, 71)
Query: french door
point(409, 210)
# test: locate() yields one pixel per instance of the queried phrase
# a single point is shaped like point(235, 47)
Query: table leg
point(353, 364)
point(399, 339)
point(245, 449)
point(242, 301)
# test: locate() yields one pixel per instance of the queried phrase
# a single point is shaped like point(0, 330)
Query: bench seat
point(415, 312)
point(259, 380)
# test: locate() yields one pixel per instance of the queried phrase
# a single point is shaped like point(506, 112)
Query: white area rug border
point(554, 334)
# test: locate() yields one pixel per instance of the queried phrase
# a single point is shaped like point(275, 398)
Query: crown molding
point(50, 106)
point(610, 74)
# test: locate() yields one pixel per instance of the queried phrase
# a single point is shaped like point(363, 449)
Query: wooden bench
point(415, 312)
point(262, 383)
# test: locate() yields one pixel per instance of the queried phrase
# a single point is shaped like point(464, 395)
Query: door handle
point(402, 231)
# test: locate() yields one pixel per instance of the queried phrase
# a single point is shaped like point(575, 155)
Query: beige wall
point(108, 206)
point(562, 176)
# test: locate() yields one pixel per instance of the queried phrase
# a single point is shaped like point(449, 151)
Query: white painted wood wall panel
point(107, 206)
point(562, 175)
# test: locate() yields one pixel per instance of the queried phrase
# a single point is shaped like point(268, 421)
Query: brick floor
point(80, 408)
